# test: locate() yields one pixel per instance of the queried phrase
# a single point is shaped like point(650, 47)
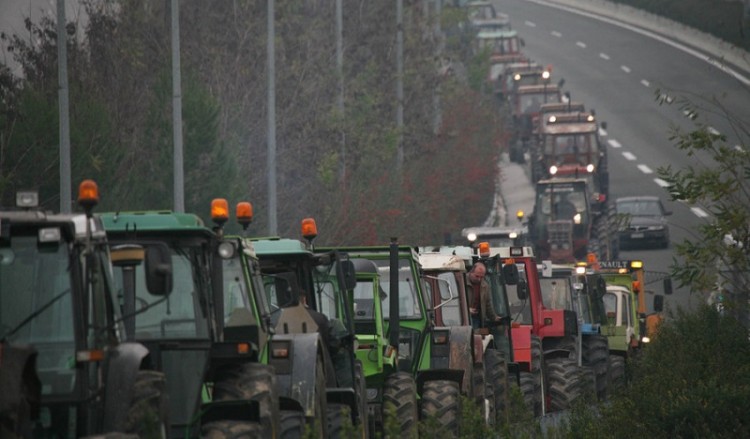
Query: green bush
point(693, 380)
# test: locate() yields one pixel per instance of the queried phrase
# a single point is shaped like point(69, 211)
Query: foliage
point(338, 168)
point(718, 259)
point(703, 395)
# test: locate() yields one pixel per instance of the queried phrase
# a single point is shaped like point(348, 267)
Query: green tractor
point(210, 354)
point(627, 322)
point(309, 292)
point(66, 370)
point(409, 363)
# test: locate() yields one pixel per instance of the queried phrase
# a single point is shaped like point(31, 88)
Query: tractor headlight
point(372, 394)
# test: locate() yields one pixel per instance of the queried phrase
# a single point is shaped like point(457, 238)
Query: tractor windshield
point(36, 308)
point(520, 305)
point(556, 293)
point(183, 313)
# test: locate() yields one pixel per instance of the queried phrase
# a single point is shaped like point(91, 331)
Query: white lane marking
point(713, 131)
point(529, 23)
point(603, 132)
point(614, 143)
point(603, 56)
point(661, 182)
point(739, 148)
point(629, 155)
point(699, 212)
point(645, 83)
point(581, 44)
point(716, 62)
point(625, 69)
point(556, 34)
point(645, 169)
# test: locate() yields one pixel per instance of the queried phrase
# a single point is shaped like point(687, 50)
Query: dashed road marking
point(529, 23)
point(603, 56)
point(661, 182)
point(713, 131)
point(625, 69)
point(603, 132)
point(699, 212)
point(556, 34)
point(645, 83)
point(739, 148)
point(581, 44)
point(629, 155)
point(614, 143)
point(645, 169)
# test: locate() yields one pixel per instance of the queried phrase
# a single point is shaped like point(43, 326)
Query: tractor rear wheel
point(400, 392)
point(291, 424)
point(528, 390)
point(232, 430)
point(564, 382)
point(441, 401)
point(616, 372)
point(252, 381)
point(339, 417)
point(496, 369)
point(596, 355)
point(149, 408)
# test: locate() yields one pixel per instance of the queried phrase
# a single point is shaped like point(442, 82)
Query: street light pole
point(179, 178)
point(62, 96)
point(272, 227)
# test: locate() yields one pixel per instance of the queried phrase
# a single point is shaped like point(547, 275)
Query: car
point(643, 222)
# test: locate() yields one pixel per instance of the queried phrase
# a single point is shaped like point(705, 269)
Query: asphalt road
point(620, 72)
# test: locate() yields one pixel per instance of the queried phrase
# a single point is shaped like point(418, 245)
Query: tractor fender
point(296, 371)
point(121, 366)
point(556, 353)
point(439, 374)
point(462, 354)
point(480, 345)
point(18, 376)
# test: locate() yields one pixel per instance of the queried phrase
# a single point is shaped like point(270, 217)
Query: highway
point(617, 71)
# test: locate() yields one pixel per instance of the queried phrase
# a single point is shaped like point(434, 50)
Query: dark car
point(642, 222)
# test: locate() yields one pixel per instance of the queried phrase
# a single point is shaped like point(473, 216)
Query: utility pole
point(272, 227)
point(179, 179)
point(340, 70)
point(400, 83)
point(62, 97)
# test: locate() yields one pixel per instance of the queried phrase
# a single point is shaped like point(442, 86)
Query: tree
point(718, 260)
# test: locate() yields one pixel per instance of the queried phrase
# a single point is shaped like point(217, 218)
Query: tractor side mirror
point(510, 274)
point(158, 260)
point(522, 290)
point(350, 274)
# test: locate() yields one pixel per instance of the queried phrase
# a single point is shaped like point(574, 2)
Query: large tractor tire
point(291, 424)
point(528, 390)
point(232, 430)
point(400, 391)
point(252, 381)
point(564, 383)
point(363, 417)
point(320, 426)
point(339, 417)
point(616, 373)
point(588, 382)
point(478, 383)
point(537, 371)
point(596, 355)
point(148, 413)
point(441, 401)
point(496, 370)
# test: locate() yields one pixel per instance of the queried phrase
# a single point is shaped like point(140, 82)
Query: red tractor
point(544, 339)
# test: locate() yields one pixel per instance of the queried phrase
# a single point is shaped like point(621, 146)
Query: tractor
point(419, 369)
point(300, 283)
point(66, 370)
point(209, 354)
